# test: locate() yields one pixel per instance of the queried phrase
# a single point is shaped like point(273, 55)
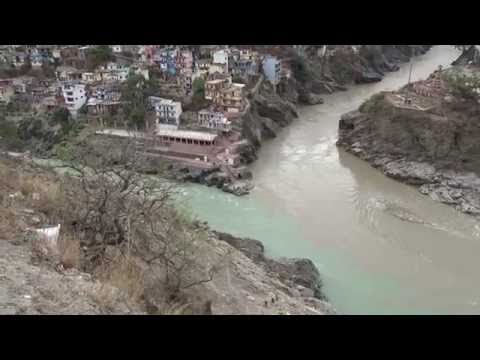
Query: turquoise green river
point(313, 200)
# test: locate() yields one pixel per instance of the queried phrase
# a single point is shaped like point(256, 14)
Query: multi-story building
point(167, 111)
point(216, 120)
point(22, 84)
point(115, 72)
point(231, 99)
point(147, 53)
point(74, 94)
point(19, 59)
point(213, 88)
point(185, 80)
point(202, 65)
point(220, 61)
point(91, 77)
point(166, 59)
point(185, 71)
point(37, 60)
point(272, 69)
point(104, 99)
point(67, 73)
point(225, 94)
point(244, 67)
point(184, 60)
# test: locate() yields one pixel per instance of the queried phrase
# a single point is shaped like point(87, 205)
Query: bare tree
point(113, 204)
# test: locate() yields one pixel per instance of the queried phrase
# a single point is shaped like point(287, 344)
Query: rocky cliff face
point(470, 56)
point(436, 150)
point(255, 284)
point(273, 109)
point(315, 75)
point(269, 112)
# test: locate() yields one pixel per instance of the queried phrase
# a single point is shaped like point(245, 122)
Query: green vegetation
point(63, 118)
point(300, 69)
point(462, 86)
point(39, 132)
point(98, 55)
point(135, 93)
point(373, 104)
point(199, 88)
point(9, 135)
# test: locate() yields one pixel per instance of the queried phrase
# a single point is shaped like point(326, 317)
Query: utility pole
point(410, 74)
point(407, 100)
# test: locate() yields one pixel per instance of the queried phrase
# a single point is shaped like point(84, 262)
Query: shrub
point(300, 69)
point(199, 87)
point(123, 273)
point(9, 136)
point(464, 86)
point(99, 55)
point(373, 104)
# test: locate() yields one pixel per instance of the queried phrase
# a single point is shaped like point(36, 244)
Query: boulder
point(238, 188)
point(312, 99)
point(368, 76)
point(253, 249)
point(299, 272)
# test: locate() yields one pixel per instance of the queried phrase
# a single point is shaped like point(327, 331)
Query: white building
point(220, 58)
point(167, 111)
point(213, 120)
point(117, 48)
point(56, 54)
point(75, 95)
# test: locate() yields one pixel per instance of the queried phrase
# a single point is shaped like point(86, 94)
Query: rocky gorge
point(435, 150)
point(313, 76)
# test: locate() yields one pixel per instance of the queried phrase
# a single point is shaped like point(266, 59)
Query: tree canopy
point(135, 93)
point(98, 55)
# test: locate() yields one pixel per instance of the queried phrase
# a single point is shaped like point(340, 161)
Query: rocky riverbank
point(33, 282)
point(249, 283)
point(255, 284)
point(435, 149)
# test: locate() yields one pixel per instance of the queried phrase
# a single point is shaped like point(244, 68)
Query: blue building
point(272, 68)
point(167, 60)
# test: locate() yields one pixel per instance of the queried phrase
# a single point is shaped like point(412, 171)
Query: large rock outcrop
point(470, 56)
point(437, 150)
point(300, 275)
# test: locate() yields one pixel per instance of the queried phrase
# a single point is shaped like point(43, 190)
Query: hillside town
point(213, 80)
point(204, 109)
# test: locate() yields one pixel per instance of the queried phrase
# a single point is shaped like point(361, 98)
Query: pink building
point(185, 60)
point(148, 52)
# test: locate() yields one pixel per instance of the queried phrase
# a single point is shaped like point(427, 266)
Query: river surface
point(381, 246)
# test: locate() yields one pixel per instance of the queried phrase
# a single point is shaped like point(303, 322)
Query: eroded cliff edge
point(425, 134)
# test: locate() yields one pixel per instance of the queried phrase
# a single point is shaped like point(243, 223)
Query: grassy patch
point(373, 104)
